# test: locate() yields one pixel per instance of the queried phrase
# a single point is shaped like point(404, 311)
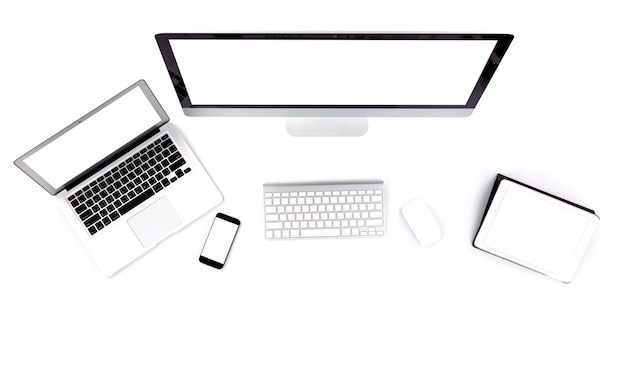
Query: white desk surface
point(552, 117)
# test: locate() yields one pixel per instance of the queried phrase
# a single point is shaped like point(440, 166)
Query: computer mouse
point(422, 222)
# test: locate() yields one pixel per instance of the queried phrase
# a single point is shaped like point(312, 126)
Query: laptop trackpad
point(154, 222)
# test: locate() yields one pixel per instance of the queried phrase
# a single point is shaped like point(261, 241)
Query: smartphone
point(219, 241)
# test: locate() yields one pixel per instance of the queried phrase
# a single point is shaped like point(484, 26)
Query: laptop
point(123, 177)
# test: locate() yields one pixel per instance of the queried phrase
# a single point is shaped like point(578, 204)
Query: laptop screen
point(92, 138)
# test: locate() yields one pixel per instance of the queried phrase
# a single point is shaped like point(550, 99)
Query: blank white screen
point(95, 138)
point(219, 240)
point(534, 230)
point(330, 72)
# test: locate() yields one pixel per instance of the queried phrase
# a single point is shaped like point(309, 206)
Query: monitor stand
point(326, 126)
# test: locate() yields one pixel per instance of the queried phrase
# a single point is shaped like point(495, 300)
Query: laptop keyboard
point(114, 193)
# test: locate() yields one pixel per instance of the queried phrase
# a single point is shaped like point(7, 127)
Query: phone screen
point(219, 240)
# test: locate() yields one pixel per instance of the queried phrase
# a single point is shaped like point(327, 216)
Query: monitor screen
point(331, 75)
point(93, 138)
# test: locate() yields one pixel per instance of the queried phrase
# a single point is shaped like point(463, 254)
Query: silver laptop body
point(123, 177)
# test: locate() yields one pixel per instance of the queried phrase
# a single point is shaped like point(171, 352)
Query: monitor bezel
point(503, 42)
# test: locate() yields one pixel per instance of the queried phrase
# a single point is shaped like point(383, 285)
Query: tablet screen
point(536, 230)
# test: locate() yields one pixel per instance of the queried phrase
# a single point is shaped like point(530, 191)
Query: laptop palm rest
point(154, 222)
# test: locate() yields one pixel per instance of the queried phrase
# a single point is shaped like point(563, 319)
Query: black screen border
point(502, 45)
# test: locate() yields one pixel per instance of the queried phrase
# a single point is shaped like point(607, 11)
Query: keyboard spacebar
point(333, 232)
point(136, 201)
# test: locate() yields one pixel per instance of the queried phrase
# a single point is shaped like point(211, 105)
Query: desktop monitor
point(330, 83)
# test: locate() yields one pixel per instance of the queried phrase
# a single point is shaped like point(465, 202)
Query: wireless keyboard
point(324, 209)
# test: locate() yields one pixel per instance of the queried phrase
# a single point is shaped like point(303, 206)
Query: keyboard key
point(374, 222)
point(273, 225)
point(333, 232)
point(136, 201)
point(85, 215)
point(177, 163)
point(92, 220)
point(376, 214)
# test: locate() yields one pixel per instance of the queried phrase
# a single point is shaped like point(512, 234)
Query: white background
point(552, 117)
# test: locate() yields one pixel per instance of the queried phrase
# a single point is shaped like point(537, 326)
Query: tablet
point(535, 229)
